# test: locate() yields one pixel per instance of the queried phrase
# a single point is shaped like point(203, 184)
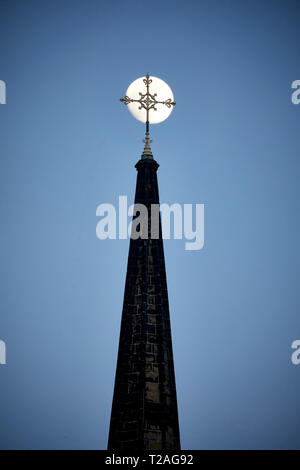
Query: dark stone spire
point(144, 411)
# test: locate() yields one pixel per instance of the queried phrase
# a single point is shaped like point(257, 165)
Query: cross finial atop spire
point(148, 102)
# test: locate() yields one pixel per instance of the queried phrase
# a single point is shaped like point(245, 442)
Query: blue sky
point(67, 144)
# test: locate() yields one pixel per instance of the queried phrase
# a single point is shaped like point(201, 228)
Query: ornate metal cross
point(147, 101)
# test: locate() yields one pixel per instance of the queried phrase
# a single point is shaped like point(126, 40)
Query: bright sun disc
point(163, 93)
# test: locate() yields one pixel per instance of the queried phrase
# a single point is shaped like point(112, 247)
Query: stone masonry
point(144, 411)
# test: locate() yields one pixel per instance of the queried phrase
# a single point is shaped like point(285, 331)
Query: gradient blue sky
point(67, 144)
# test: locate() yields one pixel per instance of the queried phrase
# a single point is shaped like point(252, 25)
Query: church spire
point(144, 412)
